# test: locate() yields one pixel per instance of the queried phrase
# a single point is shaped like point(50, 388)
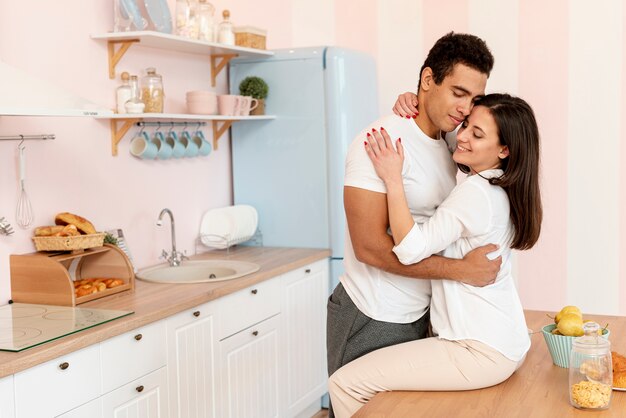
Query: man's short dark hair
point(457, 48)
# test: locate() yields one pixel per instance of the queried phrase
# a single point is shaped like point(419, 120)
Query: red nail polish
point(368, 135)
point(415, 115)
point(365, 143)
point(399, 139)
point(382, 129)
point(408, 117)
point(373, 130)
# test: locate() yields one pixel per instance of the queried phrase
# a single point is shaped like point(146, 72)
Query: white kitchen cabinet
point(132, 354)
point(250, 373)
point(59, 385)
point(92, 409)
point(304, 323)
point(7, 398)
point(191, 351)
point(145, 397)
point(248, 306)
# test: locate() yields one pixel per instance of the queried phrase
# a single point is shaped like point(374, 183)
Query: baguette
point(47, 231)
point(82, 224)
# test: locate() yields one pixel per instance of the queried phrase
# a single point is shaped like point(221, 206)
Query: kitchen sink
point(198, 271)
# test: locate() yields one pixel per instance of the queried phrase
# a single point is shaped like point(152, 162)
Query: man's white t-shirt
point(475, 214)
point(429, 175)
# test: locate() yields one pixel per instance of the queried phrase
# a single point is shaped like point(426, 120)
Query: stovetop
point(25, 325)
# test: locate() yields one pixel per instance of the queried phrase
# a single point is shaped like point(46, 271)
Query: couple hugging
point(432, 304)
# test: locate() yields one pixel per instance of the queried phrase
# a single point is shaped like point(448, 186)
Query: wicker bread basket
point(77, 242)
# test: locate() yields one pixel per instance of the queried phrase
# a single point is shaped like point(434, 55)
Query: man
point(381, 302)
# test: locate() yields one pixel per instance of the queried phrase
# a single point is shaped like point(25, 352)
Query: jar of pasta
point(152, 91)
point(590, 370)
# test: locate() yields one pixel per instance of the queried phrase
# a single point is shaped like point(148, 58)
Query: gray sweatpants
point(351, 334)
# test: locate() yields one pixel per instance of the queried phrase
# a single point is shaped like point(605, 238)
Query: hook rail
point(172, 124)
point(27, 137)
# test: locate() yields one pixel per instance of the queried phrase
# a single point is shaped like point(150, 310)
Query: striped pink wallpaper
point(543, 34)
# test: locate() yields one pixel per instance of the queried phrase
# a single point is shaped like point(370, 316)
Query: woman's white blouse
point(475, 214)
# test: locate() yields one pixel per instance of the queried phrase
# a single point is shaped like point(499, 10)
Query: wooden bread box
point(49, 277)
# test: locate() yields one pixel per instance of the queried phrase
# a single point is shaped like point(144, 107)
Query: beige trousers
point(430, 364)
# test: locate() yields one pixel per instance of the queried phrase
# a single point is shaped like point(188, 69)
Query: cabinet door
point(7, 398)
point(304, 323)
point(146, 397)
point(249, 372)
point(91, 409)
point(133, 354)
point(59, 385)
point(191, 363)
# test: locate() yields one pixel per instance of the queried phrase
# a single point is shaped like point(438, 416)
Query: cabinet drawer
point(7, 398)
point(145, 397)
point(249, 306)
point(132, 355)
point(59, 385)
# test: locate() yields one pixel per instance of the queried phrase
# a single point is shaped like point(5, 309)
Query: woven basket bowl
point(78, 242)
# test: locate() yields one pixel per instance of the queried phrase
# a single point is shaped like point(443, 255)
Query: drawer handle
point(307, 270)
point(254, 291)
point(138, 337)
point(64, 365)
point(196, 314)
point(139, 388)
point(255, 333)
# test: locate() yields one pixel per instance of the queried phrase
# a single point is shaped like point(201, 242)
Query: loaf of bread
point(85, 287)
point(82, 224)
point(619, 370)
point(48, 231)
point(68, 230)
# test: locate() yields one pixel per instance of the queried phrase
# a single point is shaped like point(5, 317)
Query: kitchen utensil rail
point(27, 137)
point(171, 124)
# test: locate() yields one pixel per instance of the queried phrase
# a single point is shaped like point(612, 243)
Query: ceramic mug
point(204, 146)
point(228, 104)
point(178, 149)
point(142, 147)
point(247, 104)
point(191, 149)
point(164, 149)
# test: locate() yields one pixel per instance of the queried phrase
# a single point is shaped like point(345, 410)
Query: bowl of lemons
point(568, 324)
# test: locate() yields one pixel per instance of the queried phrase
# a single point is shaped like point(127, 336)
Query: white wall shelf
point(220, 54)
point(120, 124)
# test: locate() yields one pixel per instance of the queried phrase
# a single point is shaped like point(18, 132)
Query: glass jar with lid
point(134, 105)
point(226, 35)
point(206, 23)
point(590, 370)
point(186, 18)
point(152, 91)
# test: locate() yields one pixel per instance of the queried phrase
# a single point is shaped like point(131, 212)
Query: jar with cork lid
point(123, 93)
point(226, 35)
point(152, 94)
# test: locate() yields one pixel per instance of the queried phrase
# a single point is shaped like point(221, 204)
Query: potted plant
point(257, 88)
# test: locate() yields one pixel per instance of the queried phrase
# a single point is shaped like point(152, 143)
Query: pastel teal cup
point(164, 149)
point(178, 149)
point(142, 147)
point(191, 149)
point(204, 146)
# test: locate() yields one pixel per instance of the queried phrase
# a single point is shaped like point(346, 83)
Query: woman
point(481, 334)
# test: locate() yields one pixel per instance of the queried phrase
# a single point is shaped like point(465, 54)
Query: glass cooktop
point(25, 325)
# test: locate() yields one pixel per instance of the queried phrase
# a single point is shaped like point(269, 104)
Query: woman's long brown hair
point(517, 129)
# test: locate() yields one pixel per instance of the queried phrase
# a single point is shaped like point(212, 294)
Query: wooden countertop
point(538, 389)
point(153, 301)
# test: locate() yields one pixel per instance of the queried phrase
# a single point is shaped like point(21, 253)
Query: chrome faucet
point(174, 258)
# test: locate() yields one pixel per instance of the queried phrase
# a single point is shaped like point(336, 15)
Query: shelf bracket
point(118, 134)
point(116, 56)
point(217, 66)
point(218, 131)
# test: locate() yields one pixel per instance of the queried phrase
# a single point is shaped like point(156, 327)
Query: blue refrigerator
point(291, 169)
